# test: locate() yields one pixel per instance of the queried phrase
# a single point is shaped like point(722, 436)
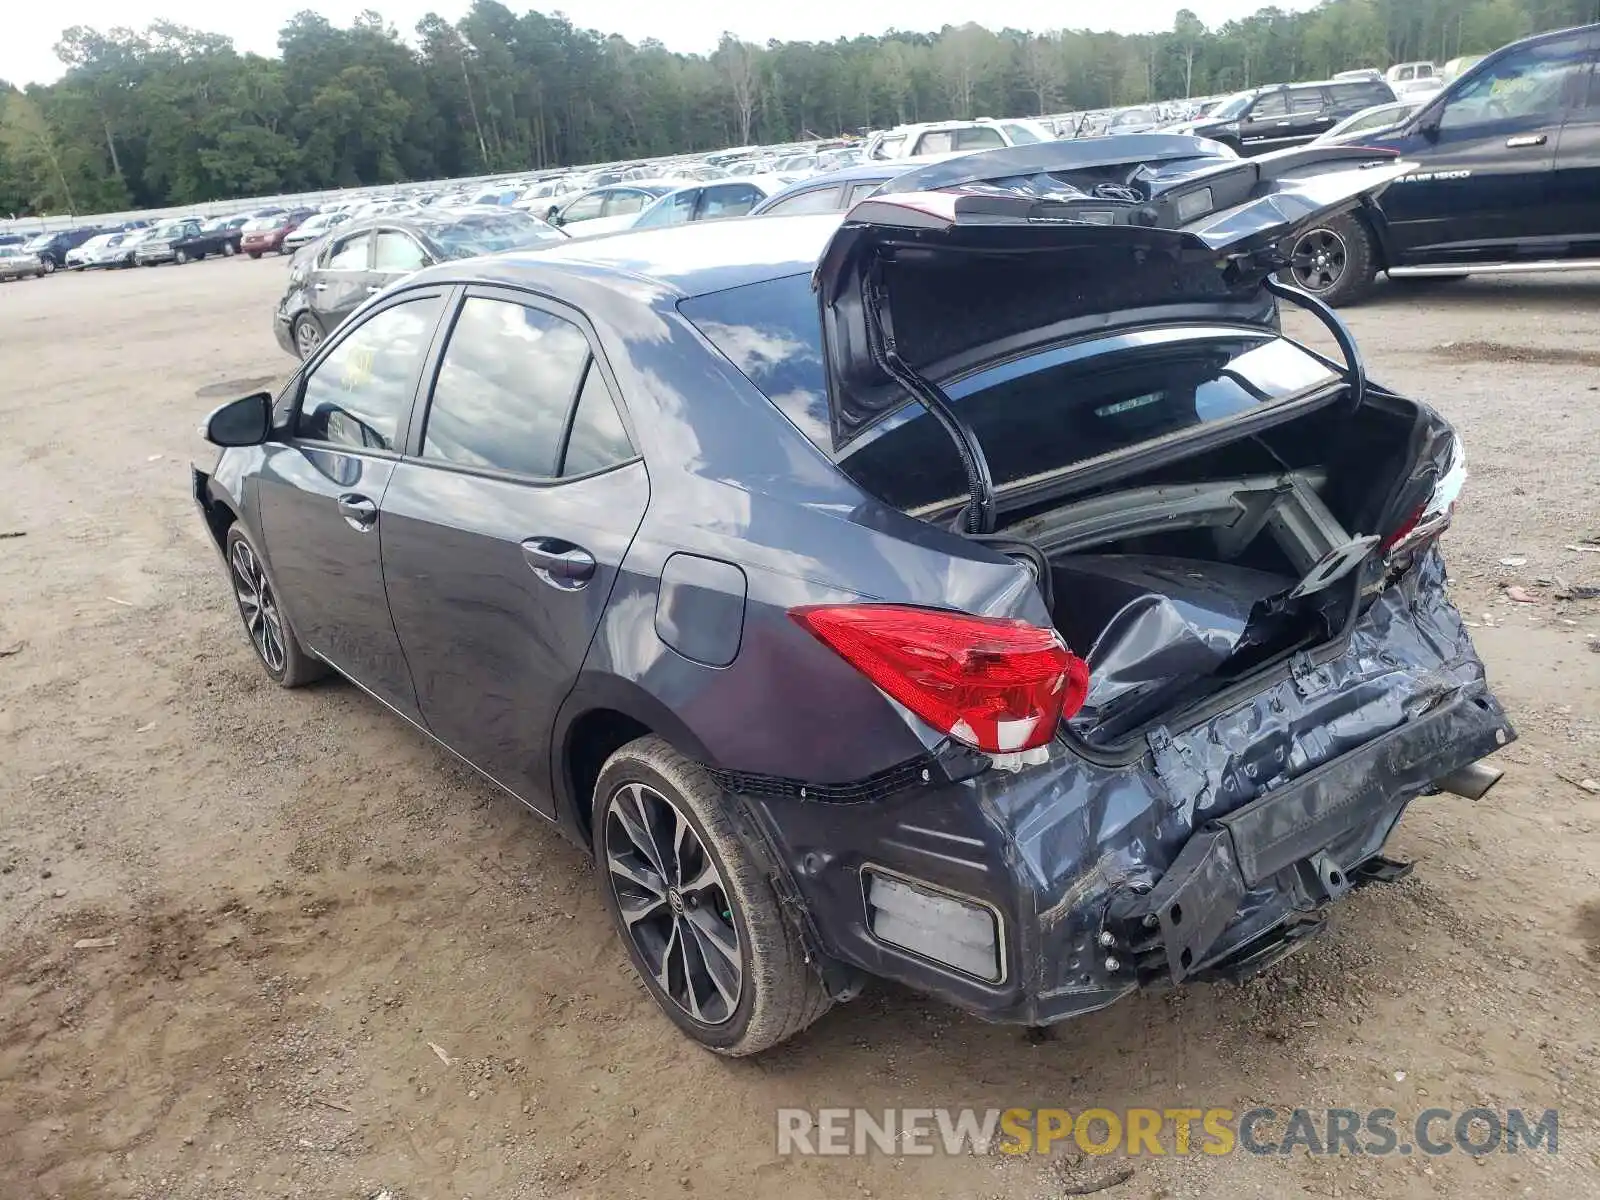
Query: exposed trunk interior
point(1177, 583)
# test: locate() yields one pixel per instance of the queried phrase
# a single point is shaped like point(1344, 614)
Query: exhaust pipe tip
point(1471, 782)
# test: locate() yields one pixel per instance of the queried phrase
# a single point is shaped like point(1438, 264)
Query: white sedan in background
point(611, 209)
point(709, 201)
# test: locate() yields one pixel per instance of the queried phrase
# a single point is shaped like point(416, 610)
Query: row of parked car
point(1505, 178)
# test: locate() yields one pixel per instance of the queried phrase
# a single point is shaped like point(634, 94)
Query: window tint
point(399, 252)
point(817, 200)
point(1538, 81)
point(1272, 104)
point(940, 141)
point(349, 254)
point(505, 384)
point(598, 439)
point(728, 200)
point(359, 393)
point(861, 191)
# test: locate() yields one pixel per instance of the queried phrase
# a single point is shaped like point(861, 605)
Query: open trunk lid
point(980, 257)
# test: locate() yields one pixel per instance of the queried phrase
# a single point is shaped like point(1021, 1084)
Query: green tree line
point(170, 115)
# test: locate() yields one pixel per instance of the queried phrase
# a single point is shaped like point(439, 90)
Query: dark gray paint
point(505, 665)
point(700, 609)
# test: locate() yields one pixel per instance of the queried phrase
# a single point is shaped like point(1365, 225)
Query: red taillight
point(1403, 530)
point(996, 684)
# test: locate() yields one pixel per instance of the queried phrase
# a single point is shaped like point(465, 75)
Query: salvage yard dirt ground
point(325, 960)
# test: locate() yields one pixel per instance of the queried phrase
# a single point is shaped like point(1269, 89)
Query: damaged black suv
point(979, 591)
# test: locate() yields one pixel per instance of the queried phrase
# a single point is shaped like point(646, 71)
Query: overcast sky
point(31, 27)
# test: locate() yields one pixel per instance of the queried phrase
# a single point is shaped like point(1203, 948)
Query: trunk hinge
point(979, 515)
point(1184, 782)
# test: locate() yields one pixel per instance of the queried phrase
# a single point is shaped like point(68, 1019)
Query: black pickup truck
point(219, 236)
point(1507, 179)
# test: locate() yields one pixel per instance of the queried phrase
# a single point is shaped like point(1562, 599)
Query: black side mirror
point(557, 219)
point(243, 422)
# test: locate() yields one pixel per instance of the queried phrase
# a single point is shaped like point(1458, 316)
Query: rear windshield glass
point(1033, 415)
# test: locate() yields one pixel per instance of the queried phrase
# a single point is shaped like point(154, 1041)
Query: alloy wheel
point(257, 606)
point(307, 337)
point(1319, 260)
point(673, 902)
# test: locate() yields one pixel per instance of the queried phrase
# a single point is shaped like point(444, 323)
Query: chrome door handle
point(358, 512)
point(373, 289)
point(319, 287)
point(1527, 139)
point(559, 563)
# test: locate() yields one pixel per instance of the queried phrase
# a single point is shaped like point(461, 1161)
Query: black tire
point(180, 257)
point(779, 992)
point(48, 266)
point(1335, 261)
point(229, 249)
point(277, 648)
point(307, 335)
point(253, 253)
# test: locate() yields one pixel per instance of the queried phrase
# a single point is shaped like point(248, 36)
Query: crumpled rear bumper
point(1211, 853)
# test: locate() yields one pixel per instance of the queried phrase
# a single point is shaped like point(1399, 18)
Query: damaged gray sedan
point(980, 592)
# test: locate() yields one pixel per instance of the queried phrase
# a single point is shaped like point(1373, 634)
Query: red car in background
point(265, 234)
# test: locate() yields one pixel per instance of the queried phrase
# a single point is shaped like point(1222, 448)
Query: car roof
point(684, 260)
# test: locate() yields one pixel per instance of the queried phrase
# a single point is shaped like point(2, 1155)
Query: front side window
point(1535, 82)
point(620, 204)
point(350, 254)
point(358, 395)
point(890, 146)
point(817, 200)
point(505, 385)
point(399, 252)
point(1021, 135)
point(584, 208)
point(940, 141)
point(1271, 105)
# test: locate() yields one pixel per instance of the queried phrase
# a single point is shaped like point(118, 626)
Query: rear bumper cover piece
point(1211, 856)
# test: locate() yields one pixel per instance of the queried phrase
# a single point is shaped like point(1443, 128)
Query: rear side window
point(597, 440)
point(1306, 100)
point(979, 137)
point(818, 200)
point(505, 385)
point(359, 394)
point(728, 200)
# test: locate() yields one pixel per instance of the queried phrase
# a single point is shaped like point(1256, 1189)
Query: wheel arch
point(600, 716)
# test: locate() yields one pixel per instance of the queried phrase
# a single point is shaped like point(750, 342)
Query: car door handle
point(319, 287)
point(359, 512)
point(559, 563)
point(1527, 139)
point(373, 289)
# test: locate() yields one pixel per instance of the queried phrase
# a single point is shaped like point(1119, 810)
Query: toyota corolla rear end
point(1231, 662)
